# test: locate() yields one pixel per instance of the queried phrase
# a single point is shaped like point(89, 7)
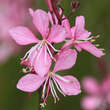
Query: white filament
point(44, 87)
point(45, 55)
point(54, 90)
point(30, 51)
point(49, 52)
point(52, 46)
point(59, 89)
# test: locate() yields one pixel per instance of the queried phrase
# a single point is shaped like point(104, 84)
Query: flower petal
point(80, 32)
point(78, 48)
point(65, 60)
point(69, 86)
point(67, 45)
point(41, 21)
point(82, 35)
point(31, 11)
point(80, 23)
point(91, 48)
point(73, 30)
point(57, 34)
point(91, 86)
point(66, 24)
point(90, 103)
point(30, 82)
point(23, 35)
point(42, 62)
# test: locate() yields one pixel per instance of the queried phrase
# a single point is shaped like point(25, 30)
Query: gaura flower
point(40, 55)
point(66, 85)
point(80, 37)
point(98, 95)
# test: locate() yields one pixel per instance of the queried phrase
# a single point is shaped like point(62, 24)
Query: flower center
point(50, 74)
point(43, 42)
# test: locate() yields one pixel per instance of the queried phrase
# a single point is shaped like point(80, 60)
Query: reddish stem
point(49, 4)
point(53, 10)
point(56, 11)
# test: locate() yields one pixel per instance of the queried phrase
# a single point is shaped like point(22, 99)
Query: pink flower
point(66, 85)
point(80, 37)
point(98, 94)
point(40, 55)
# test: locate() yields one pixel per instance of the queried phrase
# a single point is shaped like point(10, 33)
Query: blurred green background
point(97, 15)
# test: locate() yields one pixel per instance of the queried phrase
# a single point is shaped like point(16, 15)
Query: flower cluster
point(98, 97)
point(39, 59)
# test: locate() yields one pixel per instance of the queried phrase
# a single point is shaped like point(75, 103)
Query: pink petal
point(80, 32)
point(30, 82)
point(78, 48)
point(82, 35)
point(70, 87)
point(57, 34)
point(31, 11)
point(91, 48)
point(41, 21)
point(65, 60)
point(80, 23)
point(91, 86)
point(67, 45)
point(73, 29)
point(23, 35)
point(43, 62)
point(90, 103)
point(66, 24)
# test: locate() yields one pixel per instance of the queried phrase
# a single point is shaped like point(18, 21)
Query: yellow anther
point(102, 49)
point(43, 41)
point(58, 99)
point(50, 74)
point(43, 105)
point(92, 40)
point(97, 45)
point(97, 36)
point(55, 100)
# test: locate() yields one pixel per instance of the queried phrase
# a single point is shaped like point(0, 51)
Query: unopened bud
point(75, 4)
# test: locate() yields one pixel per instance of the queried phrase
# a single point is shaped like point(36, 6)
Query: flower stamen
point(59, 89)
point(44, 87)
